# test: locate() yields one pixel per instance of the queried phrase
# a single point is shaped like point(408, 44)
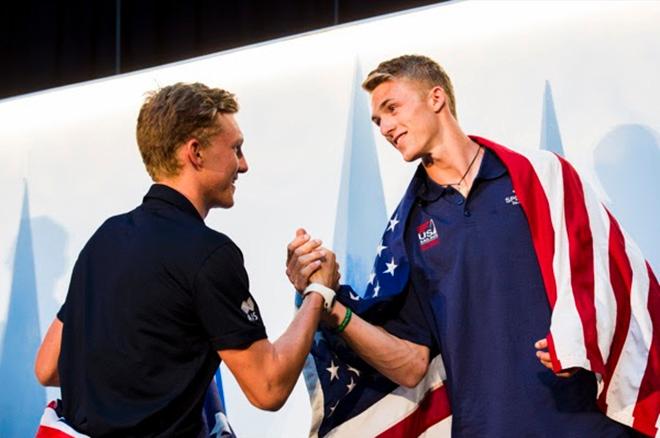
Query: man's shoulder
point(143, 229)
point(174, 243)
point(107, 230)
point(215, 239)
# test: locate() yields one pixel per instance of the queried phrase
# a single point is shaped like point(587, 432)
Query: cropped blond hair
point(173, 115)
point(418, 68)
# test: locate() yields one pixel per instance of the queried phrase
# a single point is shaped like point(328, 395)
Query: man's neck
point(455, 160)
point(189, 191)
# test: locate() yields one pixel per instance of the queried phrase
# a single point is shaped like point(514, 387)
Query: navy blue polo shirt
point(153, 295)
point(476, 294)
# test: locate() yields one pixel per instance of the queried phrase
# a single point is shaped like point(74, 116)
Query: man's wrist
point(335, 317)
point(344, 322)
point(315, 300)
point(325, 292)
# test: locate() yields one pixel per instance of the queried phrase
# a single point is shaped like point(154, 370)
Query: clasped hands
point(308, 262)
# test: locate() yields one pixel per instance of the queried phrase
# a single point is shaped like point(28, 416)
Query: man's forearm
point(291, 349)
point(401, 361)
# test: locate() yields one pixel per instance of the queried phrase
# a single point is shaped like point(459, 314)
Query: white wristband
point(327, 294)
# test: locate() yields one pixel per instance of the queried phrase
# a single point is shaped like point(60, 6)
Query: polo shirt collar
point(490, 168)
point(167, 194)
point(429, 190)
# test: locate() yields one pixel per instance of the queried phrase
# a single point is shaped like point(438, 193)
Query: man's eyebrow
point(384, 103)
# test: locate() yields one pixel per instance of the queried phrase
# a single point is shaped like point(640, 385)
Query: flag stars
point(391, 266)
point(376, 289)
point(350, 386)
point(353, 296)
point(353, 370)
point(380, 248)
point(332, 408)
point(372, 276)
point(333, 370)
point(393, 222)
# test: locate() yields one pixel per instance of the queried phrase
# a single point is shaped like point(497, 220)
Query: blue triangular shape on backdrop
point(22, 398)
point(550, 137)
point(361, 212)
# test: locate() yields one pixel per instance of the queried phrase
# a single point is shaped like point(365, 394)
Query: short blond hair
point(414, 67)
point(173, 115)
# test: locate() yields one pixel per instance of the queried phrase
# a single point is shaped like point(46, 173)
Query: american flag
point(604, 297)
point(53, 425)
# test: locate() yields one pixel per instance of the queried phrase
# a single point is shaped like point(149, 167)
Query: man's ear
point(191, 152)
point(438, 98)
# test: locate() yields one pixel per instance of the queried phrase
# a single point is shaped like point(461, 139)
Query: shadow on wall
point(627, 162)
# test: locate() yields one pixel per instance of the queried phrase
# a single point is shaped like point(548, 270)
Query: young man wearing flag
point(157, 299)
point(489, 255)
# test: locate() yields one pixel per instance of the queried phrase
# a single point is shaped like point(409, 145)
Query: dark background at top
point(45, 44)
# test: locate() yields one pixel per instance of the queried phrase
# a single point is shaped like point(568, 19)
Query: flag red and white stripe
point(53, 426)
point(403, 413)
point(604, 296)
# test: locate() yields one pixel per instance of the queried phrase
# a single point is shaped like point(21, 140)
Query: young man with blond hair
point(157, 299)
point(470, 256)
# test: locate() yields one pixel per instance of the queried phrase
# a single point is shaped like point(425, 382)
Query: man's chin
point(407, 155)
point(224, 203)
point(409, 158)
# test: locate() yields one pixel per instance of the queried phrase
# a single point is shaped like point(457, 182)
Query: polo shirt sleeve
point(61, 313)
point(223, 302)
point(71, 292)
point(410, 323)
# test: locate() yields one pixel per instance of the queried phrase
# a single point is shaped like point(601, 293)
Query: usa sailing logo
point(427, 235)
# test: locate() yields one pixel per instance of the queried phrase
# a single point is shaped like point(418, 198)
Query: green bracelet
point(344, 323)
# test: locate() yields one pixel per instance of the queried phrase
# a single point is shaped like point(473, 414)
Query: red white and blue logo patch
point(427, 235)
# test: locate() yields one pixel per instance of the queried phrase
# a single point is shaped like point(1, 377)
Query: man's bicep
point(242, 360)
point(247, 365)
point(48, 355)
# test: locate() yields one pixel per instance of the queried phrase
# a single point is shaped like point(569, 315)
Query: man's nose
point(387, 127)
point(242, 165)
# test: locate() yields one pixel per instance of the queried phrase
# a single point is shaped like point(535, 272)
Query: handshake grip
point(308, 262)
point(328, 272)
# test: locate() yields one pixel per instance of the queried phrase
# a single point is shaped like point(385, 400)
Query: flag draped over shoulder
point(604, 297)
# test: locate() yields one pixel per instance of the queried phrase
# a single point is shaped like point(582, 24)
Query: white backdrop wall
point(70, 155)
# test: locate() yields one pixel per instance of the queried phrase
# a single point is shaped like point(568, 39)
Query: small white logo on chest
point(247, 307)
point(513, 199)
